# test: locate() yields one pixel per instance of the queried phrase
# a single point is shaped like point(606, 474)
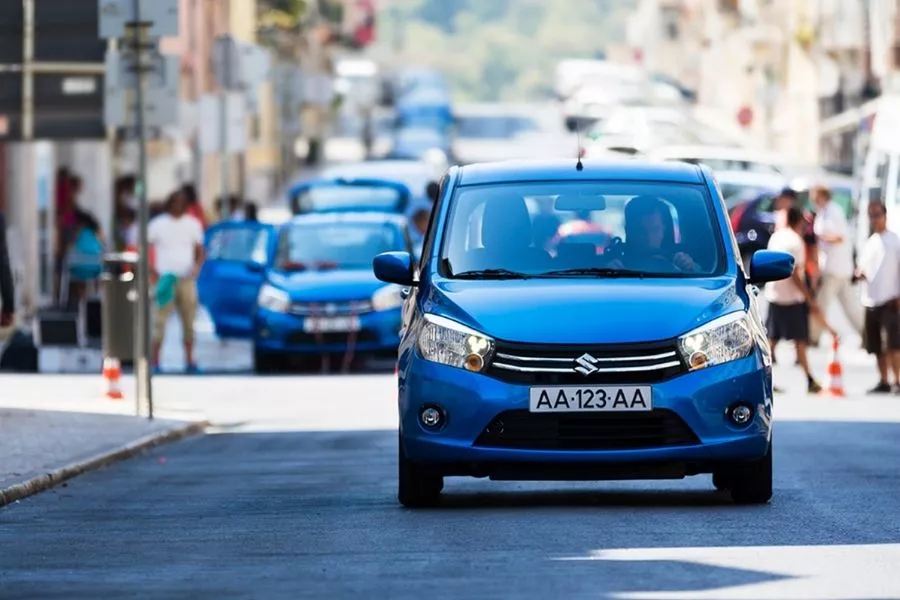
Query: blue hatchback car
point(632, 357)
point(305, 288)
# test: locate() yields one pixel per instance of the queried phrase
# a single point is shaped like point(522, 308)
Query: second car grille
point(302, 337)
point(598, 364)
point(328, 309)
point(586, 431)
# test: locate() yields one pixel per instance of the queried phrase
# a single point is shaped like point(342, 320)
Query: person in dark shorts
point(790, 300)
point(879, 271)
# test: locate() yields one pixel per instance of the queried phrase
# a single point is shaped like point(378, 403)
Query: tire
point(265, 363)
point(751, 483)
point(415, 488)
point(721, 480)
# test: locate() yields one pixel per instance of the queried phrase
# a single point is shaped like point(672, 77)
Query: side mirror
point(769, 265)
point(394, 267)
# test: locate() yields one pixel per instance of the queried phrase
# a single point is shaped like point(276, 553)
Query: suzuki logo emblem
point(586, 364)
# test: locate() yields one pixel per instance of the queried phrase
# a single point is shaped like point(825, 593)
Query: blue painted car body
point(486, 427)
point(243, 259)
point(350, 195)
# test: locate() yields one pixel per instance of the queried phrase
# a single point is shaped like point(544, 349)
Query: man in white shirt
point(790, 300)
point(879, 269)
point(835, 261)
point(177, 241)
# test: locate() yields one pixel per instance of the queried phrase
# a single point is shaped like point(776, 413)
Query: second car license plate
point(590, 399)
point(330, 324)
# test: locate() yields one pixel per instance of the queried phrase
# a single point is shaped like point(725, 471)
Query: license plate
point(330, 324)
point(590, 399)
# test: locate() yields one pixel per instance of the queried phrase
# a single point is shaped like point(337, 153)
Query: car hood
point(327, 285)
point(585, 311)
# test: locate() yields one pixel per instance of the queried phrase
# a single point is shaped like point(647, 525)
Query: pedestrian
point(251, 212)
point(7, 283)
point(432, 191)
point(879, 271)
point(235, 208)
point(420, 220)
point(177, 241)
point(790, 300)
point(195, 208)
point(832, 231)
point(84, 258)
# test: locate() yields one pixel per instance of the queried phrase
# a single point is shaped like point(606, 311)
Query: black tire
point(265, 363)
point(751, 483)
point(722, 481)
point(415, 488)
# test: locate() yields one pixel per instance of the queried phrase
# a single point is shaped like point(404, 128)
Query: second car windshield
point(582, 229)
point(336, 245)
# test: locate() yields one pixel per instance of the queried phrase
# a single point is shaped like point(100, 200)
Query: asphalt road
point(295, 498)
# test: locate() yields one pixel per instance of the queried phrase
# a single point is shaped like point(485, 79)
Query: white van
point(881, 167)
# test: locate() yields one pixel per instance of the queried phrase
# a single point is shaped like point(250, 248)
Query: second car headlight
point(271, 298)
point(719, 341)
point(451, 343)
point(387, 298)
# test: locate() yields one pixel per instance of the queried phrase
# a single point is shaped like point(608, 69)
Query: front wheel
point(751, 483)
point(265, 363)
point(415, 487)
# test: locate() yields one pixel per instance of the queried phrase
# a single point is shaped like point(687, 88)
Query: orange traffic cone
point(835, 373)
point(112, 373)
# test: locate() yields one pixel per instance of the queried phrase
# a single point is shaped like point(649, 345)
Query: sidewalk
point(53, 427)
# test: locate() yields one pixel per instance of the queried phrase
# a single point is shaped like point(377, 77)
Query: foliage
point(501, 49)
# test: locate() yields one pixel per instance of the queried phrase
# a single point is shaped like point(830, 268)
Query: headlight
point(271, 298)
point(387, 298)
point(722, 340)
point(450, 343)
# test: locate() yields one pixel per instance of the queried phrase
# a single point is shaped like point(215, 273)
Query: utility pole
point(141, 23)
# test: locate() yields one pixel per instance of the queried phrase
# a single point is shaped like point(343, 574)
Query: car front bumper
point(280, 333)
point(472, 401)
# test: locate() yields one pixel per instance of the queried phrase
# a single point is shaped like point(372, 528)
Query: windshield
point(582, 229)
point(340, 197)
point(336, 245)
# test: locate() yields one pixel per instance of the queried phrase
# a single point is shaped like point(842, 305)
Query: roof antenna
point(579, 166)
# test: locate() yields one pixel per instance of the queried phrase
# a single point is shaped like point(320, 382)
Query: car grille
point(302, 337)
point(524, 430)
point(614, 363)
point(329, 309)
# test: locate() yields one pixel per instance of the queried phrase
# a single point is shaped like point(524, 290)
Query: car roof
point(348, 217)
point(564, 169)
point(368, 167)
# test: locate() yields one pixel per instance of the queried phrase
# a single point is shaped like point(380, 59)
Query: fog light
point(474, 362)
point(431, 417)
point(740, 414)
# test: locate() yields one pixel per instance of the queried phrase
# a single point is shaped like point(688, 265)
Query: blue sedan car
point(346, 195)
point(642, 359)
point(305, 288)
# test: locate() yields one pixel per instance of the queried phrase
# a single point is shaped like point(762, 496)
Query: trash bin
point(119, 307)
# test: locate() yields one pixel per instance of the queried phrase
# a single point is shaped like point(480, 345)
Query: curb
point(57, 476)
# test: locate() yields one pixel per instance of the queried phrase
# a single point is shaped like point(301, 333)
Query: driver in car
point(650, 237)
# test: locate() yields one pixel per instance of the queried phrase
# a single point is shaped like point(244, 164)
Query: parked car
point(304, 288)
point(342, 195)
point(414, 174)
point(517, 365)
point(724, 158)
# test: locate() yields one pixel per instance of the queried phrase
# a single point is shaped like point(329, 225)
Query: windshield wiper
point(599, 271)
point(491, 274)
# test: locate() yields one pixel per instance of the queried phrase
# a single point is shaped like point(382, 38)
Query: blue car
point(346, 195)
point(642, 359)
point(305, 288)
